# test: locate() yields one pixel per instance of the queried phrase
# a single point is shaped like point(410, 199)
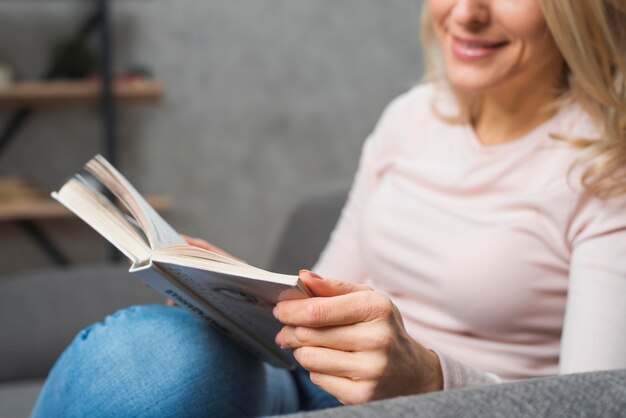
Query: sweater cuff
point(458, 375)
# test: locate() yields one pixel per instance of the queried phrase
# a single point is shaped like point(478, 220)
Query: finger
point(197, 242)
point(328, 287)
point(358, 337)
point(355, 366)
point(187, 238)
point(205, 245)
point(331, 311)
point(170, 302)
point(346, 391)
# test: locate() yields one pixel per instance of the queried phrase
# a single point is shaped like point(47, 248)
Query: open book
point(233, 296)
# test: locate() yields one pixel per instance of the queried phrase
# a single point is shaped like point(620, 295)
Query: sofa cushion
point(18, 398)
point(41, 311)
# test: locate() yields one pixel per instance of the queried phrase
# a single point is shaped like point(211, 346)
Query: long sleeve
point(594, 333)
point(459, 375)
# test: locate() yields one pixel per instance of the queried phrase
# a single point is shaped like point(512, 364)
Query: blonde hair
point(591, 36)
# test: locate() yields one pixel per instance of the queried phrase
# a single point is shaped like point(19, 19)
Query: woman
point(488, 212)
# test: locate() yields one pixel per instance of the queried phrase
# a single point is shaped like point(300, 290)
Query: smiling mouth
point(473, 49)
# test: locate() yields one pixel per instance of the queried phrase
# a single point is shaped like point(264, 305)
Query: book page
point(98, 212)
point(158, 231)
point(174, 289)
point(201, 253)
point(247, 302)
point(205, 260)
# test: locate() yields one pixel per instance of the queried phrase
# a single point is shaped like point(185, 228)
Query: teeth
point(473, 46)
point(478, 46)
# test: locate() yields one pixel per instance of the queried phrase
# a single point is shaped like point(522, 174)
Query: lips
point(475, 49)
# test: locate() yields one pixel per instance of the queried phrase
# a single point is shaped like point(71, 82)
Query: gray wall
point(267, 100)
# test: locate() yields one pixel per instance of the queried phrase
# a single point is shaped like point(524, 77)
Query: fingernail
point(315, 275)
point(275, 312)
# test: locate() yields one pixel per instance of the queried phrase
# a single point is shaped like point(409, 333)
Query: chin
point(478, 77)
point(470, 86)
point(477, 81)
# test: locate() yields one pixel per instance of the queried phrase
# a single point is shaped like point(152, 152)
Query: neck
point(507, 114)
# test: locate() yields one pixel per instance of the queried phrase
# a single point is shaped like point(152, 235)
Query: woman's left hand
point(353, 342)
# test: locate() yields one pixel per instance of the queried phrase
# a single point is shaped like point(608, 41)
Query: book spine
point(160, 281)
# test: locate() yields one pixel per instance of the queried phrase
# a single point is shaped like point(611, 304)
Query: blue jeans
point(162, 361)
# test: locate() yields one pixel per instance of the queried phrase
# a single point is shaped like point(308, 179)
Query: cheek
point(437, 9)
point(523, 20)
point(536, 47)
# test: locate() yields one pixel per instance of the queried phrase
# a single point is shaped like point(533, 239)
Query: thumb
point(328, 287)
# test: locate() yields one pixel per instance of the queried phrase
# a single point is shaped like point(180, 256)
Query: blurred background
point(256, 104)
point(231, 112)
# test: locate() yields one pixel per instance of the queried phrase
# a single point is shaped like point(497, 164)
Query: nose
point(471, 14)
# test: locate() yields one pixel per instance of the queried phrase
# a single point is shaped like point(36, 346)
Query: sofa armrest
point(594, 394)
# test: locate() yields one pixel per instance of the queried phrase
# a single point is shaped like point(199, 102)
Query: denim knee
point(152, 361)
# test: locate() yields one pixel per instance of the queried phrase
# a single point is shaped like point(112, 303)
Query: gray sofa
point(41, 311)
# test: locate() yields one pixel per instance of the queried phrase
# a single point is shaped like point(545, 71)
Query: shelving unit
point(24, 204)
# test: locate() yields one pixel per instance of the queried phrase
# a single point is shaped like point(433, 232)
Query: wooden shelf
point(55, 93)
point(21, 201)
point(47, 209)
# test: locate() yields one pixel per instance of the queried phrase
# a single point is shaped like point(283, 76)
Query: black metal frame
point(99, 19)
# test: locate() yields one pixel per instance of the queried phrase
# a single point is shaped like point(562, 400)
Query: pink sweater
point(495, 262)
